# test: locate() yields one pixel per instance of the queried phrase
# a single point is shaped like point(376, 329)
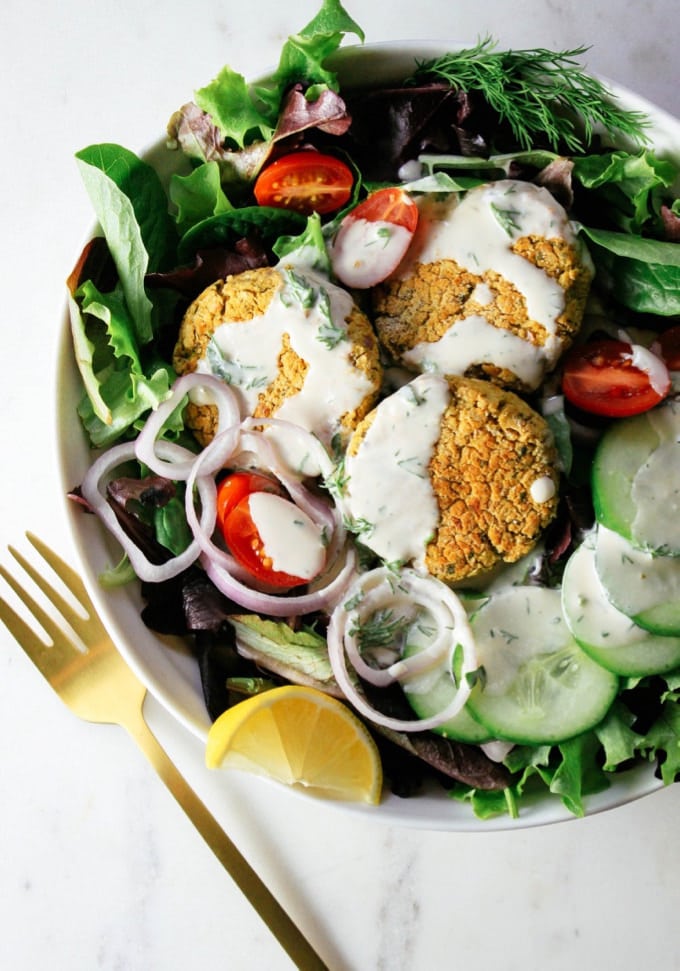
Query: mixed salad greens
point(458, 121)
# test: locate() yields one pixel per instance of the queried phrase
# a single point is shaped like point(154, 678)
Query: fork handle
point(266, 905)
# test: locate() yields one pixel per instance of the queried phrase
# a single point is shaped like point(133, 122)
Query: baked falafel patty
point(454, 475)
point(289, 343)
point(494, 285)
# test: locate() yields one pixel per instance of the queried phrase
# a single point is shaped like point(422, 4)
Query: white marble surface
point(98, 867)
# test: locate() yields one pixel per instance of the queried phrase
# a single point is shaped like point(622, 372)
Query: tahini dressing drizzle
point(312, 312)
point(389, 494)
point(290, 539)
point(478, 233)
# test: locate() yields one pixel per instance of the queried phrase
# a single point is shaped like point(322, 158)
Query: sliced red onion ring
point(227, 575)
point(202, 527)
point(311, 445)
point(317, 508)
point(93, 490)
point(173, 461)
point(325, 598)
point(180, 466)
point(381, 587)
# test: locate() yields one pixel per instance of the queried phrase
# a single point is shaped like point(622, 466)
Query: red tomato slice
point(669, 348)
point(236, 486)
point(306, 182)
point(373, 238)
point(390, 205)
point(600, 378)
point(245, 544)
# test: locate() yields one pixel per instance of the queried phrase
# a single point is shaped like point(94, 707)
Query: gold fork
point(99, 686)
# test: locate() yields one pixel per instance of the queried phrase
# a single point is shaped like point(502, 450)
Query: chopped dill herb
point(234, 373)
point(336, 482)
point(537, 92)
point(359, 527)
point(507, 218)
point(382, 629)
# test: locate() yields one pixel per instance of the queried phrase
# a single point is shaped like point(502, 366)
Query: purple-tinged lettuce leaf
point(194, 132)
point(237, 123)
point(210, 265)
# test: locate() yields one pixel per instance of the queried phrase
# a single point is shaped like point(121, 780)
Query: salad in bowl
point(374, 366)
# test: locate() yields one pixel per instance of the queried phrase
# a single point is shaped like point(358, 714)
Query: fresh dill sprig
point(537, 92)
point(381, 629)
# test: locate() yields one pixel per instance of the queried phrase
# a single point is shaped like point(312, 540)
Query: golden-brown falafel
point(494, 286)
point(492, 470)
point(252, 296)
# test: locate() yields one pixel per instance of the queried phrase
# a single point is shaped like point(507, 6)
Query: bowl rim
point(119, 607)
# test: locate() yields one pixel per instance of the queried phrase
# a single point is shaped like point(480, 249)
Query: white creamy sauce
point(542, 489)
point(411, 170)
point(478, 232)
point(390, 496)
point(514, 626)
point(475, 341)
point(635, 580)
point(592, 616)
point(290, 539)
point(366, 251)
point(652, 365)
point(312, 312)
point(656, 486)
point(482, 294)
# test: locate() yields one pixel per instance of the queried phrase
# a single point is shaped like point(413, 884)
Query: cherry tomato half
point(601, 378)
point(373, 238)
point(240, 531)
point(391, 205)
point(238, 485)
point(245, 544)
point(306, 182)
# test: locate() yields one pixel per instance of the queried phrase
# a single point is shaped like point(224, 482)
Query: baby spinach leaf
point(641, 274)
point(226, 228)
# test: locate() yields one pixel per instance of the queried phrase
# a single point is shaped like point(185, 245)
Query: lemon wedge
point(301, 737)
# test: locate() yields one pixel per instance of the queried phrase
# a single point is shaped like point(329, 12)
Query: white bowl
point(167, 667)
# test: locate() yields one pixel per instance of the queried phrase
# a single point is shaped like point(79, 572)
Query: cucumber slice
point(606, 634)
point(636, 479)
point(540, 686)
point(644, 587)
point(624, 447)
point(431, 693)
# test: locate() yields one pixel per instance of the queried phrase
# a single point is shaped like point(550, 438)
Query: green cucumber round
point(604, 632)
point(539, 686)
point(641, 585)
point(431, 693)
point(636, 479)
